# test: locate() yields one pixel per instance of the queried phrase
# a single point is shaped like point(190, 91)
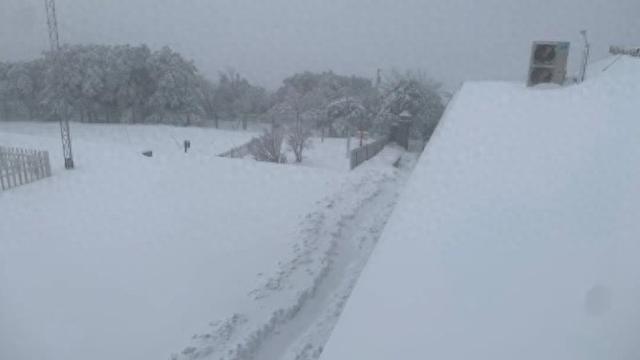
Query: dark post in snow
point(402, 129)
point(585, 56)
point(60, 108)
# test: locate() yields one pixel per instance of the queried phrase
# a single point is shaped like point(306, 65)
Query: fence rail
point(22, 166)
point(362, 154)
point(625, 50)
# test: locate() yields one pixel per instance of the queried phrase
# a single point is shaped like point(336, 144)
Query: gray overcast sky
point(452, 40)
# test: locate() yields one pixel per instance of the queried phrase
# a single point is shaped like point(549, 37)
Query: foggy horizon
point(452, 41)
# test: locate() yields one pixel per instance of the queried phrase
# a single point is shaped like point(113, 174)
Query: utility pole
point(585, 58)
point(348, 144)
point(60, 106)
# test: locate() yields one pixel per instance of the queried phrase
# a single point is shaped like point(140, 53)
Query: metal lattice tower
point(60, 107)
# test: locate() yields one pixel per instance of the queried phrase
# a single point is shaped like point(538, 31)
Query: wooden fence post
point(2, 168)
point(47, 163)
point(20, 165)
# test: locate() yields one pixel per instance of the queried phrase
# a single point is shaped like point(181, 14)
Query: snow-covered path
point(304, 336)
point(295, 310)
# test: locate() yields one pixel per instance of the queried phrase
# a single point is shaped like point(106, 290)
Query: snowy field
point(185, 256)
point(163, 140)
point(517, 237)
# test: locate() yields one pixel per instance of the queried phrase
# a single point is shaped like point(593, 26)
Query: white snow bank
point(517, 236)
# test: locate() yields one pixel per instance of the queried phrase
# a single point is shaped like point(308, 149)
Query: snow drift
point(517, 236)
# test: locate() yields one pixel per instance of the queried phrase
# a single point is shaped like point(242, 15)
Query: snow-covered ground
point(330, 153)
point(517, 236)
point(163, 140)
point(127, 257)
point(293, 311)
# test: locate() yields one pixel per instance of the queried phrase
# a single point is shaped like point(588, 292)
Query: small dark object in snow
point(187, 145)
point(148, 153)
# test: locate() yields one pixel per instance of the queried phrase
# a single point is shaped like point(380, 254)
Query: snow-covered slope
point(518, 235)
point(127, 257)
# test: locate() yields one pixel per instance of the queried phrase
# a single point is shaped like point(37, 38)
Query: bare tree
point(268, 147)
point(299, 140)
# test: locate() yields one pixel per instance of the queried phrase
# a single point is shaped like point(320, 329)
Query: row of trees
point(341, 106)
point(127, 84)
point(123, 84)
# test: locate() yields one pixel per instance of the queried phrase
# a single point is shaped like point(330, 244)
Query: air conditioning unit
point(548, 62)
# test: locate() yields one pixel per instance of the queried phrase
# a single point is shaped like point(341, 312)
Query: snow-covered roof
point(516, 237)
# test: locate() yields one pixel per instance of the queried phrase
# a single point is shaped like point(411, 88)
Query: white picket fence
point(21, 166)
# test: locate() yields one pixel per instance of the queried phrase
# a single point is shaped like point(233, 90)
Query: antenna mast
point(60, 106)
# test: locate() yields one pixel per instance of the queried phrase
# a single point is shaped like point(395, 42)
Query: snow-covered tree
point(4, 91)
point(138, 84)
point(310, 95)
point(175, 96)
point(252, 101)
point(348, 115)
point(281, 113)
point(237, 99)
point(24, 84)
point(122, 84)
point(208, 91)
point(414, 93)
